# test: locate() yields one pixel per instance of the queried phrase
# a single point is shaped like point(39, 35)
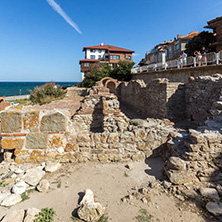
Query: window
point(128, 57)
point(92, 50)
point(170, 50)
point(100, 50)
point(176, 47)
point(99, 56)
point(114, 57)
point(86, 64)
point(92, 57)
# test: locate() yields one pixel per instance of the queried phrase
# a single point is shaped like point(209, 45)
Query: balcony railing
point(212, 59)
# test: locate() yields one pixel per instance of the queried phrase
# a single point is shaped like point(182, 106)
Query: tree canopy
point(203, 39)
point(121, 72)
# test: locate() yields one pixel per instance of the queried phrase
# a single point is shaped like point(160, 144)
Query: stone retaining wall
point(179, 75)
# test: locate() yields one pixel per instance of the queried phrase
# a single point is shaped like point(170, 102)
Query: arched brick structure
point(109, 83)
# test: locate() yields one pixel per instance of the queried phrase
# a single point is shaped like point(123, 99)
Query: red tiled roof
point(109, 48)
point(88, 60)
point(191, 35)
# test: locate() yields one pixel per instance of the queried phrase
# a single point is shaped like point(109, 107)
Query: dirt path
point(109, 182)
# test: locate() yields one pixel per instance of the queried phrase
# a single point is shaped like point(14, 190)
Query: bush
point(100, 70)
point(46, 93)
point(45, 215)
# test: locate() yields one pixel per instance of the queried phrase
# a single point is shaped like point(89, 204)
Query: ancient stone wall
point(98, 131)
point(158, 99)
point(201, 93)
point(178, 75)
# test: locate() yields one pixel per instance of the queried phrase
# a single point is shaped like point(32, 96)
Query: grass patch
point(59, 184)
point(103, 219)
point(20, 101)
point(45, 215)
point(75, 218)
point(30, 191)
point(143, 216)
point(24, 196)
point(3, 184)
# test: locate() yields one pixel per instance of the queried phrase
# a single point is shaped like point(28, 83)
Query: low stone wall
point(179, 75)
point(157, 99)
point(76, 91)
point(33, 136)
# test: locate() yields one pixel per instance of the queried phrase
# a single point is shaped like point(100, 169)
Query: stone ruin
point(100, 131)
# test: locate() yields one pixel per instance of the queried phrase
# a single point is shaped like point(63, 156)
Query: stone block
point(53, 123)
point(31, 121)
point(113, 138)
point(181, 177)
point(36, 141)
point(127, 137)
point(11, 122)
point(115, 157)
point(71, 147)
point(21, 153)
point(176, 163)
point(196, 137)
point(56, 141)
point(12, 143)
point(83, 137)
point(103, 157)
point(138, 156)
point(140, 134)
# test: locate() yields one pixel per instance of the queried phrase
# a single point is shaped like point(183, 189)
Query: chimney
point(102, 44)
point(178, 36)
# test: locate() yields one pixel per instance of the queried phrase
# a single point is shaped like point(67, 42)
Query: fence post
point(194, 62)
point(217, 58)
point(165, 65)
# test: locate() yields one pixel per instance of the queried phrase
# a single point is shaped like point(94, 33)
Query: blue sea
point(22, 88)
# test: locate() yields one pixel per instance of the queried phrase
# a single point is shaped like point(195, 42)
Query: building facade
point(178, 45)
point(104, 53)
point(216, 25)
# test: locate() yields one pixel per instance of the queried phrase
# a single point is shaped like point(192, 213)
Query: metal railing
point(211, 57)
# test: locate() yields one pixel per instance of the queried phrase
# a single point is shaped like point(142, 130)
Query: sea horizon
point(15, 88)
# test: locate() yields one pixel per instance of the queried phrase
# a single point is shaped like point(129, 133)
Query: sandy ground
point(109, 182)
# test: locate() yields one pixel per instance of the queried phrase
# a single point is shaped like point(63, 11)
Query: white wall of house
point(97, 54)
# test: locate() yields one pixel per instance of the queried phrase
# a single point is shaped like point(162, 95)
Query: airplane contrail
point(60, 11)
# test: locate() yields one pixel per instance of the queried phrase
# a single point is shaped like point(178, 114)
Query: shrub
point(121, 72)
point(46, 93)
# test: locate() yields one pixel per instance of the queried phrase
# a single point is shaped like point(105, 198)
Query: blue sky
point(37, 44)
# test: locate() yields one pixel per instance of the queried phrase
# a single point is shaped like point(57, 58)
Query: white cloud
point(135, 54)
point(60, 11)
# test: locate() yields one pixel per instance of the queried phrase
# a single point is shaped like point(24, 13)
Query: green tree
point(204, 38)
point(123, 71)
point(95, 74)
point(100, 70)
